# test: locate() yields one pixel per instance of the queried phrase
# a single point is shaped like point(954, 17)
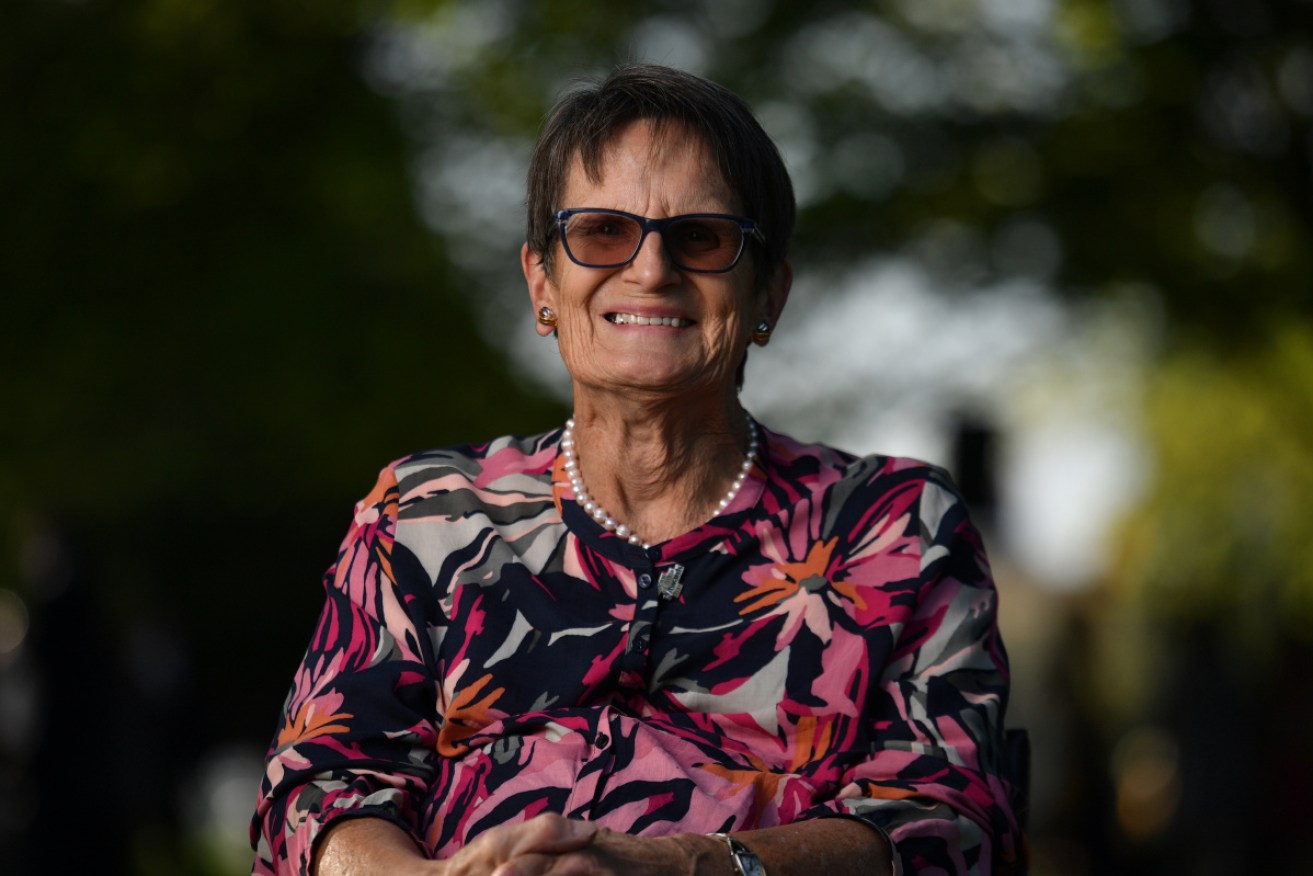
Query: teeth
point(635, 319)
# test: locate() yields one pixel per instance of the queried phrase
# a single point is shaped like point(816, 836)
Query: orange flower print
point(797, 591)
point(316, 716)
point(465, 717)
point(812, 741)
point(763, 782)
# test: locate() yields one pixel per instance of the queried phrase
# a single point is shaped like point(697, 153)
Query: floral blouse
point(824, 647)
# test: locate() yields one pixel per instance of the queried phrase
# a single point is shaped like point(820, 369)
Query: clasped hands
point(552, 845)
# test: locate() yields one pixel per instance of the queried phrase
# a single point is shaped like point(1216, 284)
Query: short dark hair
point(585, 121)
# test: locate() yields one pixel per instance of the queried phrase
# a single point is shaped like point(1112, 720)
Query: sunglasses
point(706, 243)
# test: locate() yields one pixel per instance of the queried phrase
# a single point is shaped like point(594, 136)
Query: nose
point(652, 265)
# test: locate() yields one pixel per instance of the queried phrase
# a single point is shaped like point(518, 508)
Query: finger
point(531, 865)
point(552, 833)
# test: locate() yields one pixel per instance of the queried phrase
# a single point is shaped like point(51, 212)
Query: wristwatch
point(745, 862)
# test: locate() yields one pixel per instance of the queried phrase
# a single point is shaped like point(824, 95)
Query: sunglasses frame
point(749, 228)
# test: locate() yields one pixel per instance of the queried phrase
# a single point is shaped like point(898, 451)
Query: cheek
point(577, 339)
point(569, 337)
point(733, 325)
point(571, 305)
point(727, 336)
point(574, 292)
point(746, 312)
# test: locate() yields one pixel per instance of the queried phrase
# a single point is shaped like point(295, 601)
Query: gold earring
point(547, 317)
point(761, 335)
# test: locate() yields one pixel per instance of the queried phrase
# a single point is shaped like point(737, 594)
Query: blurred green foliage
point(1164, 144)
point(222, 316)
point(216, 277)
point(1224, 533)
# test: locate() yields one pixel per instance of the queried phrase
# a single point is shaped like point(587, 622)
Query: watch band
point(745, 862)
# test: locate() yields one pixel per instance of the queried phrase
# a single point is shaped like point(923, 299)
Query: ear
point(542, 292)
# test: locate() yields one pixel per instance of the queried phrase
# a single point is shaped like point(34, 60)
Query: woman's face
point(603, 346)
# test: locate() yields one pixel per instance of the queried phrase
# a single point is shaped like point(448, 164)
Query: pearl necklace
point(609, 523)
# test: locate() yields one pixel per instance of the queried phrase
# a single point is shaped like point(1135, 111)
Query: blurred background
point(252, 250)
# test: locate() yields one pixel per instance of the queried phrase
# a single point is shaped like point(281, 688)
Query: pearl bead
point(598, 513)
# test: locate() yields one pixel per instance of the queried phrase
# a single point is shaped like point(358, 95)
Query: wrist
point(702, 855)
point(743, 861)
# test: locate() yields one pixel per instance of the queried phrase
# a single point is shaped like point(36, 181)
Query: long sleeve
point(933, 781)
point(357, 732)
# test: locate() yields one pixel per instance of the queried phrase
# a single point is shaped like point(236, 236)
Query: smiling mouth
point(635, 319)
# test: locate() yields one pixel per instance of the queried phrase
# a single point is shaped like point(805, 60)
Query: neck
point(659, 472)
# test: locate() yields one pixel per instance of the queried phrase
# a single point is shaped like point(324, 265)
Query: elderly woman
point(664, 638)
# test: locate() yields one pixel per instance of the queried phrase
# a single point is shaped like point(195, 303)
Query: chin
point(646, 373)
point(676, 384)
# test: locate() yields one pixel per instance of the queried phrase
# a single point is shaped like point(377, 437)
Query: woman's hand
point(552, 845)
point(367, 846)
point(833, 846)
point(618, 854)
point(544, 838)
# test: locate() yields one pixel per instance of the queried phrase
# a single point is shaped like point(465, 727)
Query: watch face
point(745, 862)
point(750, 864)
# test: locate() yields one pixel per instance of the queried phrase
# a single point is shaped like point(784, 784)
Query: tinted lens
point(704, 243)
point(602, 239)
